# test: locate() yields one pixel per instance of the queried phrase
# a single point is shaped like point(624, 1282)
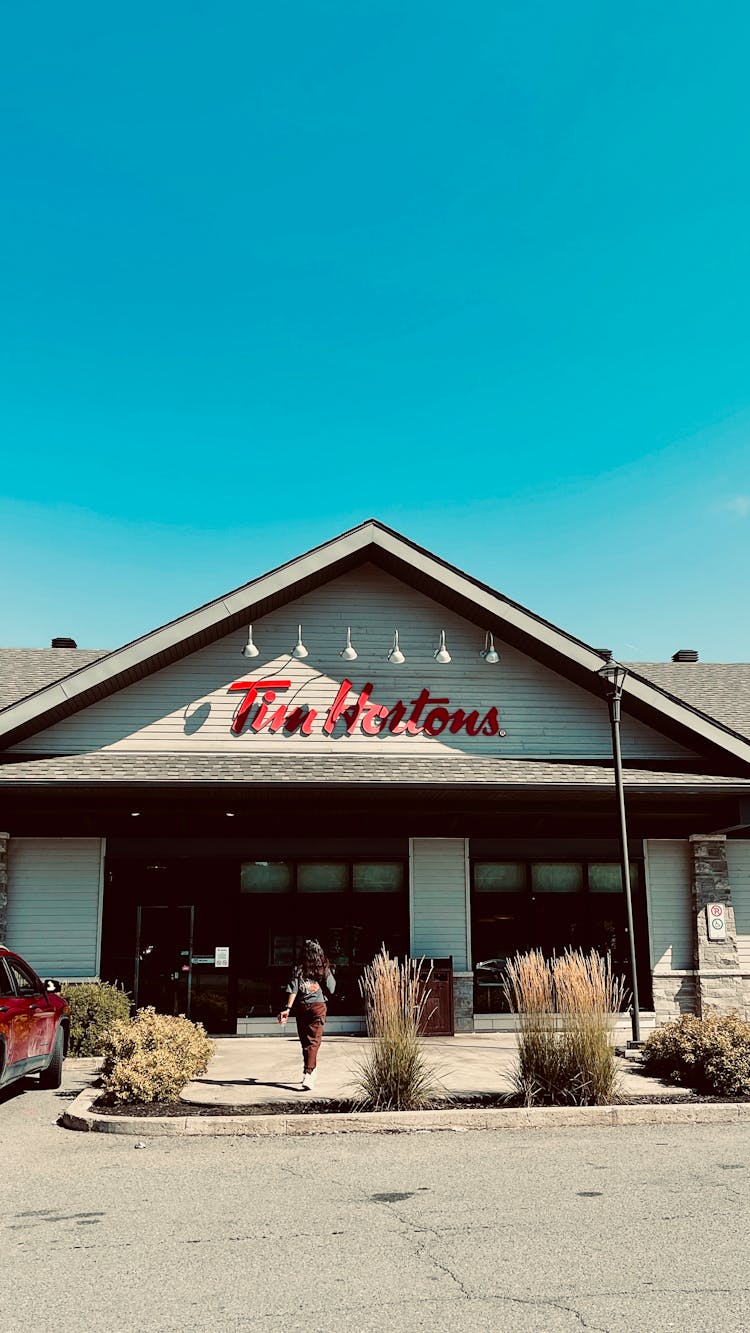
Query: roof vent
point(685, 655)
point(63, 643)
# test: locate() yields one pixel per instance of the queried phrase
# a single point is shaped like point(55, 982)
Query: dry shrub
point(151, 1057)
point(711, 1055)
point(567, 1008)
point(94, 1006)
point(395, 1074)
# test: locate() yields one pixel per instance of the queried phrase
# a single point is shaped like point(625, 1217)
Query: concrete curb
point(81, 1117)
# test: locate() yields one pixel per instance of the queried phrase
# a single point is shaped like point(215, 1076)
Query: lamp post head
point(613, 674)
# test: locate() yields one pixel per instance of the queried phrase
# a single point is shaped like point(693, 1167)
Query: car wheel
point(51, 1077)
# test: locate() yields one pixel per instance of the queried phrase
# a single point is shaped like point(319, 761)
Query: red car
point(34, 1024)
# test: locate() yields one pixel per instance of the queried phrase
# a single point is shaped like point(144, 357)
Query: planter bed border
point(82, 1115)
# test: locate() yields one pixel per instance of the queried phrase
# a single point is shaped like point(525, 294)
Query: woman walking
point(311, 983)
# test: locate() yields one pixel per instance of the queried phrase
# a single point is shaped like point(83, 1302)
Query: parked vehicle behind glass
point(34, 1024)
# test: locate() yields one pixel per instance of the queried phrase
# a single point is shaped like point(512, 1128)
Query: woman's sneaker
point(308, 1080)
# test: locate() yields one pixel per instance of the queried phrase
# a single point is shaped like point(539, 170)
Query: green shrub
point(151, 1057)
point(395, 1074)
point(670, 1051)
point(710, 1055)
point(94, 1005)
point(567, 1008)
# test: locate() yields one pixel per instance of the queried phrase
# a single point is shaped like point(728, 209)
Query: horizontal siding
point(670, 903)
point(53, 904)
point(438, 900)
point(738, 862)
point(187, 707)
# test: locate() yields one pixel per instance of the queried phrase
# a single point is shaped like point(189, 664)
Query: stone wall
point(463, 1001)
point(674, 993)
point(4, 843)
point(717, 964)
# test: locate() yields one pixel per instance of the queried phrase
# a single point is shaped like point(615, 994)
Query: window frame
point(348, 891)
point(17, 965)
point(636, 876)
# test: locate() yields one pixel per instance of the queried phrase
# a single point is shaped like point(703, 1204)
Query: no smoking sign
point(716, 920)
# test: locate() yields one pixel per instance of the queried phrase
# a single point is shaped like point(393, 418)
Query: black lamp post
point(614, 673)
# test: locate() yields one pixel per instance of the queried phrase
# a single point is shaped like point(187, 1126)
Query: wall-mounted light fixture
point(394, 654)
point(442, 655)
point(489, 653)
point(250, 649)
point(300, 650)
point(348, 653)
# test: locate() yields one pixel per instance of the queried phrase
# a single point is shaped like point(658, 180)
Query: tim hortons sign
point(428, 714)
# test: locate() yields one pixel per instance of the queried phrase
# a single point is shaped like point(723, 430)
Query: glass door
point(164, 958)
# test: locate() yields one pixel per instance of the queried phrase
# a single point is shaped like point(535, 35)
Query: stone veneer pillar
point(718, 978)
point(4, 842)
point(463, 1001)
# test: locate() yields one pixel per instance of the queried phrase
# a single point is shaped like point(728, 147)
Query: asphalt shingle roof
point(23, 671)
point(117, 767)
point(721, 690)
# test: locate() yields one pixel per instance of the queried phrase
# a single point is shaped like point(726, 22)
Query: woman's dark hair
point(313, 964)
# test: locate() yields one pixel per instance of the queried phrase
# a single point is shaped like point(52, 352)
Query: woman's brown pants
point(310, 1023)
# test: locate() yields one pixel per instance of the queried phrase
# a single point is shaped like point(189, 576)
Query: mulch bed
point(332, 1106)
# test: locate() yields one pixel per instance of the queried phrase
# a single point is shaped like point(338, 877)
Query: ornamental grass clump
point(567, 1008)
point(151, 1057)
point(94, 1006)
point(710, 1055)
point(395, 1074)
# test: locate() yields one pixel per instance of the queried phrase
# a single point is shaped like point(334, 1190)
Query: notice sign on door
point(716, 917)
point(221, 956)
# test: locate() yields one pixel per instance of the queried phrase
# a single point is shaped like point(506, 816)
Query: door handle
point(4, 1008)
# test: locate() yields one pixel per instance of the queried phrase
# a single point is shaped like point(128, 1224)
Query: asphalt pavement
point(629, 1229)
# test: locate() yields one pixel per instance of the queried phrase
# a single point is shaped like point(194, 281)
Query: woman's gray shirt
point(311, 992)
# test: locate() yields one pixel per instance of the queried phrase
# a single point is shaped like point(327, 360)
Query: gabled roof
point(373, 542)
point(24, 671)
point(720, 690)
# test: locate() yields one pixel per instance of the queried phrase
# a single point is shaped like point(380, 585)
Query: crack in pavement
point(542, 1303)
point(348, 1308)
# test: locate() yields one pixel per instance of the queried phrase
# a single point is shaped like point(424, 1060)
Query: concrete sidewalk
point(249, 1071)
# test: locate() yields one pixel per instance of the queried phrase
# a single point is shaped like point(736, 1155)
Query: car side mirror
point(53, 986)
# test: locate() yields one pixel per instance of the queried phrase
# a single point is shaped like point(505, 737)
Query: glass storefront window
point(322, 877)
point(263, 910)
point(556, 877)
point(283, 950)
point(499, 876)
point(340, 903)
point(377, 876)
point(606, 877)
point(558, 905)
point(266, 877)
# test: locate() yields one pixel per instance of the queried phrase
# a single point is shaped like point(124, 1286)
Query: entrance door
point(164, 959)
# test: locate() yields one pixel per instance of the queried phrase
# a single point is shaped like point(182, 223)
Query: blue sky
point(480, 273)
